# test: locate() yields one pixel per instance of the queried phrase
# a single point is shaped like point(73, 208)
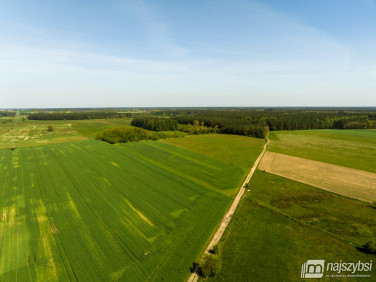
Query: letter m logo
point(313, 269)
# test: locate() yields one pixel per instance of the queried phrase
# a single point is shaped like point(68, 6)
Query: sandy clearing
point(353, 183)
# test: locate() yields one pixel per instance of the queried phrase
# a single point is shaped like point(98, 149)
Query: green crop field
point(92, 211)
point(350, 148)
point(281, 224)
point(233, 149)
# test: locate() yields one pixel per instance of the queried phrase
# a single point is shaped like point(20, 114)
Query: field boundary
point(227, 218)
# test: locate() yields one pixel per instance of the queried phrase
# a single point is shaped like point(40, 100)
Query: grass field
point(349, 148)
point(349, 182)
point(80, 209)
point(97, 212)
point(238, 150)
point(281, 224)
point(15, 132)
point(90, 128)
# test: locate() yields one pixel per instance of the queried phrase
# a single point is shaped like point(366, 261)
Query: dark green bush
point(209, 266)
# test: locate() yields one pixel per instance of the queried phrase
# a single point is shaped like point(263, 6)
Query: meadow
point(20, 132)
point(349, 148)
point(280, 224)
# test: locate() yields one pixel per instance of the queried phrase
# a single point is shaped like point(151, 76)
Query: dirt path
point(227, 218)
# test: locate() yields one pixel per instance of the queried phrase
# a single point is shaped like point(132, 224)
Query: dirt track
point(227, 218)
point(353, 183)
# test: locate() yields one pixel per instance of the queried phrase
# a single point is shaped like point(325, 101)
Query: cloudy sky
point(66, 53)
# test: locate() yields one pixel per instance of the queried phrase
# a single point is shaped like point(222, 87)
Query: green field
point(233, 149)
point(15, 132)
point(349, 148)
point(280, 224)
point(81, 209)
point(97, 212)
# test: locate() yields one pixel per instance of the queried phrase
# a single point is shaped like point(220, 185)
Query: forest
point(155, 124)
point(256, 122)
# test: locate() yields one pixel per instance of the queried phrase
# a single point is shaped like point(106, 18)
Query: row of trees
point(75, 115)
point(155, 124)
point(131, 134)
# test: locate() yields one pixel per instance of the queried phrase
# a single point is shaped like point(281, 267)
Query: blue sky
point(187, 53)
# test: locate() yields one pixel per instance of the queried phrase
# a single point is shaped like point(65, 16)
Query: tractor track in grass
point(227, 218)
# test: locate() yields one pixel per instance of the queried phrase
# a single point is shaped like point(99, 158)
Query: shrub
point(216, 249)
point(369, 247)
point(130, 134)
point(209, 266)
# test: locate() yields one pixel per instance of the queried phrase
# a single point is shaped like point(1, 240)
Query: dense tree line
point(155, 124)
point(256, 122)
point(7, 114)
point(131, 134)
point(227, 123)
point(75, 115)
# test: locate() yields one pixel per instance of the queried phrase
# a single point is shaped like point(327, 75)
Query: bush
point(131, 134)
point(50, 128)
point(216, 249)
point(209, 266)
point(369, 247)
point(374, 204)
